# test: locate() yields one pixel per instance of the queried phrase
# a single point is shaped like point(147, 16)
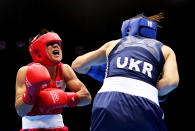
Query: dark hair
point(156, 18)
point(42, 32)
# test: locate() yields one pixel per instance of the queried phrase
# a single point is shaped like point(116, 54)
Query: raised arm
point(170, 75)
point(82, 64)
point(21, 107)
point(75, 85)
point(28, 82)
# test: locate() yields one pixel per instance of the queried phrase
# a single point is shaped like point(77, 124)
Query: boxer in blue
point(128, 98)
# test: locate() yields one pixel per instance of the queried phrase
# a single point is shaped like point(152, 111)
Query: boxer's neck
point(52, 70)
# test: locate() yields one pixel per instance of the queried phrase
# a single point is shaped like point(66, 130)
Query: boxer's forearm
point(22, 108)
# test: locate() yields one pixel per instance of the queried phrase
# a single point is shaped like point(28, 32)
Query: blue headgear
point(139, 26)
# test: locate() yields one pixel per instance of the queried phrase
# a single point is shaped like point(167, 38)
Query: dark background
point(85, 25)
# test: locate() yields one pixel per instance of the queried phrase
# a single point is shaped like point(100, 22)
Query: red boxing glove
point(36, 76)
point(53, 98)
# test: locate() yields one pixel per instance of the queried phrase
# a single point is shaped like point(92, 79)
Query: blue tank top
point(138, 58)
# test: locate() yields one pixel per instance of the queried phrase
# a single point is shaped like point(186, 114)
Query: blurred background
point(85, 25)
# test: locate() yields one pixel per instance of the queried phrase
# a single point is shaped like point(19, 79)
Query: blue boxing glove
point(97, 72)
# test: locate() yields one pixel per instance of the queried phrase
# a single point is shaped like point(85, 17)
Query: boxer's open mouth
point(56, 52)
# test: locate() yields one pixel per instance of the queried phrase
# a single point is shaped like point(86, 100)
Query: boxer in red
point(40, 86)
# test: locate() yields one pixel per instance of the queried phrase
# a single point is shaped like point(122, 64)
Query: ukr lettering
point(135, 65)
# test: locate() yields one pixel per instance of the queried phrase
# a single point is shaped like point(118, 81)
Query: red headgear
point(38, 50)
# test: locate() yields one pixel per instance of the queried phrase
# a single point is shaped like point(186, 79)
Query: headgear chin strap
point(38, 50)
point(139, 26)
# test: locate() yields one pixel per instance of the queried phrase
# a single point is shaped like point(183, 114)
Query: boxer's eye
point(52, 43)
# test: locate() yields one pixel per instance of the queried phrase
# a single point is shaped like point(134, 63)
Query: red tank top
point(57, 83)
